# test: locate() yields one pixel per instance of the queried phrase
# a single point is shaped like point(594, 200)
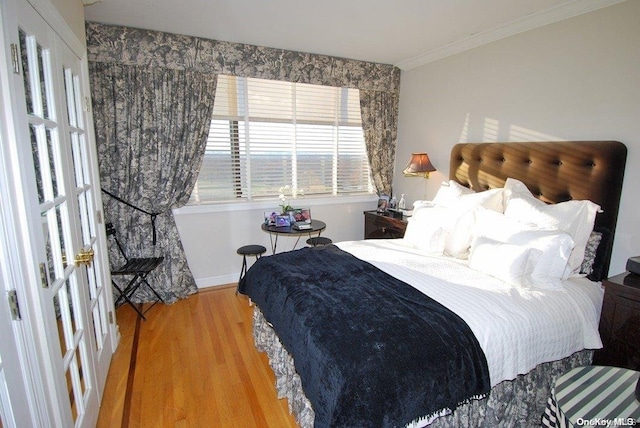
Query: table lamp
point(419, 166)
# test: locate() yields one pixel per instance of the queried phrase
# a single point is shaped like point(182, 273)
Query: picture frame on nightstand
point(383, 203)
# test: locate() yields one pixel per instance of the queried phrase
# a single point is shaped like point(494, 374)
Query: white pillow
point(449, 192)
point(555, 246)
point(489, 222)
point(461, 219)
point(507, 262)
point(491, 199)
point(421, 204)
point(459, 233)
point(425, 230)
point(513, 186)
point(448, 229)
point(573, 217)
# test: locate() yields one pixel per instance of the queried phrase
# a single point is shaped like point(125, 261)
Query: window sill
point(269, 204)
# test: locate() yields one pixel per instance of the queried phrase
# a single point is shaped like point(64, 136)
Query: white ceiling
point(406, 33)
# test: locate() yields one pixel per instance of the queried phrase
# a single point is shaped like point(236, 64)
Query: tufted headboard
point(553, 171)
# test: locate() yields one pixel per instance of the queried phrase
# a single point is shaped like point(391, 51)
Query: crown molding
point(529, 22)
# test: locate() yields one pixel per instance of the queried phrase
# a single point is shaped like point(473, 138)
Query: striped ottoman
point(594, 396)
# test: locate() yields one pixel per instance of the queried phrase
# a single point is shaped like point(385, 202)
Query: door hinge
point(14, 306)
point(15, 58)
point(87, 104)
point(110, 317)
point(99, 215)
point(44, 278)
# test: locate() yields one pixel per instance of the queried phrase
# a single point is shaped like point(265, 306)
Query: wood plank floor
point(195, 366)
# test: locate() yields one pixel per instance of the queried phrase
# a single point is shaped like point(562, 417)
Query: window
point(266, 134)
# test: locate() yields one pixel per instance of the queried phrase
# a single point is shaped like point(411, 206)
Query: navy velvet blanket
point(371, 350)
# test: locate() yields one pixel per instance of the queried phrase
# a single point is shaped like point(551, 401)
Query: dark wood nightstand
point(620, 322)
point(383, 226)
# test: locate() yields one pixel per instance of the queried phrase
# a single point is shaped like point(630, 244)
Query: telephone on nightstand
point(633, 265)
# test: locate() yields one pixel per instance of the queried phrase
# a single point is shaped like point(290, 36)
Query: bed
point(466, 327)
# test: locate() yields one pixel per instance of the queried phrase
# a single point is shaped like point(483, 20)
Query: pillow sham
point(448, 229)
point(422, 204)
point(555, 246)
point(425, 229)
point(507, 262)
point(449, 192)
point(573, 217)
point(461, 219)
point(488, 222)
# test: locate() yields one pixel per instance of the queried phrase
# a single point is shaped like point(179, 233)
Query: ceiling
point(405, 33)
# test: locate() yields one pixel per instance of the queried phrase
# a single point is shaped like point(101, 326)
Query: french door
point(54, 162)
point(12, 389)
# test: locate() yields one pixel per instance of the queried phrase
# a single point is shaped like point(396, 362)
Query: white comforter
point(517, 328)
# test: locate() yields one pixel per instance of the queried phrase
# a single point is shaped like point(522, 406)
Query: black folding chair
point(136, 267)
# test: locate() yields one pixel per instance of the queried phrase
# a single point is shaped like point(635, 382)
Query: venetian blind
point(266, 134)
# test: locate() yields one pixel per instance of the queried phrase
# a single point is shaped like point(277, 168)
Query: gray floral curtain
point(380, 125)
point(113, 47)
point(151, 128)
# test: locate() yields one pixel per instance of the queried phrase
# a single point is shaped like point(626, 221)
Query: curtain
point(151, 128)
point(380, 125)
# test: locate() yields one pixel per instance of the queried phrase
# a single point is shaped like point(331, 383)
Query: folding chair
point(136, 267)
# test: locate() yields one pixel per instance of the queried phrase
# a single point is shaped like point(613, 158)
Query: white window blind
point(266, 134)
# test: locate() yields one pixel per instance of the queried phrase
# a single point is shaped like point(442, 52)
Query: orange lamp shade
point(419, 166)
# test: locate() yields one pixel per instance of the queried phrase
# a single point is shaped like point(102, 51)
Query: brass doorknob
point(84, 257)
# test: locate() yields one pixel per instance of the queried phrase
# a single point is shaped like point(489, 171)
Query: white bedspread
point(517, 328)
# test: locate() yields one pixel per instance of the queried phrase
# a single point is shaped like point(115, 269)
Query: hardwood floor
point(195, 365)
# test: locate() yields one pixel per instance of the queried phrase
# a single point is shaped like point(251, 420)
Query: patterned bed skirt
point(519, 402)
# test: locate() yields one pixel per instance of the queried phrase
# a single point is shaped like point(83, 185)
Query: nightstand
point(383, 226)
point(620, 322)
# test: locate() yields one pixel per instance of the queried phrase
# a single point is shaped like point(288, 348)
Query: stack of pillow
point(507, 233)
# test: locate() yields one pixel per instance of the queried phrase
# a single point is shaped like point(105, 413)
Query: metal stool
point(319, 241)
point(249, 250)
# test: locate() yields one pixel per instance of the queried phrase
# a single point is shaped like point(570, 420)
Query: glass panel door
point(13, 397)
point(63, 298)
point(84, 193)
point(58, 171)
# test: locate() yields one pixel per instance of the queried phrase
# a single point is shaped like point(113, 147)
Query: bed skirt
point(520, 402)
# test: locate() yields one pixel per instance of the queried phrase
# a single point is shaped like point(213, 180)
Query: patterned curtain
point(380, 125)
point(115, 47)
point(151, 130)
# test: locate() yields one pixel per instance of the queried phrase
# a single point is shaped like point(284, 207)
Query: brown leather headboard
point(554, 171)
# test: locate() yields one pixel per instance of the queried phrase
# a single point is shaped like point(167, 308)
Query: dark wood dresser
point(383, 226)
point(620, 323)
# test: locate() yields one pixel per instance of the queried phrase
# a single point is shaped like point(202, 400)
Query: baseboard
point(214, 281)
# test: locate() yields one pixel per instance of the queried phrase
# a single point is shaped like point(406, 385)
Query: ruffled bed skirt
point(519, 402)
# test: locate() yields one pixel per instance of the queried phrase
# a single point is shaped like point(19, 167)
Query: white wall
point(211, 238)
point(578, 79)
